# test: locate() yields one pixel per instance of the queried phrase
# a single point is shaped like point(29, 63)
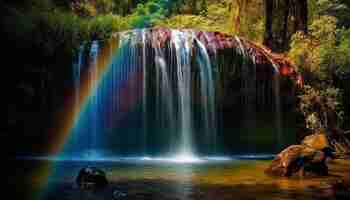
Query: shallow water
point(225, 179)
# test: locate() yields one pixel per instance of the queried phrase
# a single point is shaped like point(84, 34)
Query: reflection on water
point(234, 179)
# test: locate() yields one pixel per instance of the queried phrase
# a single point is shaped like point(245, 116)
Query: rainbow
point(73, 112)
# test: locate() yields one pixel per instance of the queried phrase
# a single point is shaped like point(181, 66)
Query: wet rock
point(316, 141)
point(91, 177)
point(300, 160)
point(119, 195)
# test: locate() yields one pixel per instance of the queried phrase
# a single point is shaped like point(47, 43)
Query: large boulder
point(316, 141)
point(300, 160)
point(91, 177)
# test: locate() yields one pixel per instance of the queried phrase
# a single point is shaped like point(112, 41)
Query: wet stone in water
point(91, 178)
point(119, 195)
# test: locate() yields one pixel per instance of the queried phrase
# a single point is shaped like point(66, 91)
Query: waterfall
point(207, 89)
point(181, 42)
point(77, 67)
point(144, 91)
point(94, 119)
point(165, 96)
point(156, 93)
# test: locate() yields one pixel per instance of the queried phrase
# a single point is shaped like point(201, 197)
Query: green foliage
point(84, 8)
point(50, 29)
point(103, 26)
point(184, 21)
point(105, 6)
point(214, 19)
point(322, 55)
point(311, 53)
point(146, 15)
point(247, 20)
point(322, 108)
point(152, 7)
point(255, 30)
point(91, 8)
point(337, 8)
point(336, 58)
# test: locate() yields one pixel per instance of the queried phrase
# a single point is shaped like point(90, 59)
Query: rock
point(300, 160)
point(91, 177)
point(119, 195)
point(316, 141)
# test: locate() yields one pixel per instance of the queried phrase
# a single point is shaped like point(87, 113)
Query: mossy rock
point(316, 141)
point(300, 160)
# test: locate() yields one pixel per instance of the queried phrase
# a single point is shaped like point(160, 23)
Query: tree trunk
point(268, 37)
point(301, 18)
point(285, 38)
point(237, 16)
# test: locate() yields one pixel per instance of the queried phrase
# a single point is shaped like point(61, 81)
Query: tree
point(246, 19)
point(268, 36)
point(301, 15)
point(282, 19)
point(240, 8)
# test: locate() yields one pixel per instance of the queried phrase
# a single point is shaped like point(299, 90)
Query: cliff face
point(244, 83)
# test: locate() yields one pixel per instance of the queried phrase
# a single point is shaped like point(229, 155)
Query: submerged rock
point(91, 177)
point(300, 160)
point(316, 141)
point(119, 195)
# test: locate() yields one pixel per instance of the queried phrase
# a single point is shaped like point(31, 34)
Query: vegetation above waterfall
point(53, 24)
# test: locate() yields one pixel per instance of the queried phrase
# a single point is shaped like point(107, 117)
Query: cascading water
point(158, 94)
point(208, 96)
point(94, 114)
point(165, 93)
point(182, 42)
point(144, 92)
point(77, 76)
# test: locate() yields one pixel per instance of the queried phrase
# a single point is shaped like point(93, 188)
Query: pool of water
point(163, 179)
